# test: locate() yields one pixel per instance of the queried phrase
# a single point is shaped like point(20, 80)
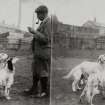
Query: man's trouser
point(38, 66)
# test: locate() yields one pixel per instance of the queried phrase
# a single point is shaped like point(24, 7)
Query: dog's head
point(101, 59)
point(83, 79)
point(6, 59)
point(3, 57)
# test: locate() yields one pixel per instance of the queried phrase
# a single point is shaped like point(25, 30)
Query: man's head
point(42, 12)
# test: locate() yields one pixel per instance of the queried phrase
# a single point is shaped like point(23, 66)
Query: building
point(96, 25)
point(13, 38)
point(72, 36)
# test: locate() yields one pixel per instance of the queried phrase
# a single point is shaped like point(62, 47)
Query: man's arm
point(38, 35)
point(32, 44)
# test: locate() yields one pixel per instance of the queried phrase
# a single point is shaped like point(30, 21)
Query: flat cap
point(41, 9)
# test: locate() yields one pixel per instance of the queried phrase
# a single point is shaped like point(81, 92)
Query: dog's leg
point(91, 99)
point(6, 93)
point(80, 100)
point(88, 97)
point(83, 94)
point(8, 86)
point(78, 80)
point(103, 93)
point(74, 85)
point(78, 87)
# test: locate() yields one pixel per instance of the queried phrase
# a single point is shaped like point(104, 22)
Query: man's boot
point(33, 90)
point(44, 86)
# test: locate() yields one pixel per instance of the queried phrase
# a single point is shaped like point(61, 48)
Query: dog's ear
point(100, 60)
point(10, 65)
point(14, 60)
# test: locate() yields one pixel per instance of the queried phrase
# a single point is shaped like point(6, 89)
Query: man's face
point(41, 16)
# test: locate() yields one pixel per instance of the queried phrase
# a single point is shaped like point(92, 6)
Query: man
point(41, 47)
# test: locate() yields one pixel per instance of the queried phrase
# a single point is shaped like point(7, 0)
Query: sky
point(74, 12)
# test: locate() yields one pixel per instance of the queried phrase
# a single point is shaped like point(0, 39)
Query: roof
point(9, 28)
point(93, 24)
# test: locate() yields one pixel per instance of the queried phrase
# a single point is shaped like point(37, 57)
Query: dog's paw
point(80, 101)
point(8, 97)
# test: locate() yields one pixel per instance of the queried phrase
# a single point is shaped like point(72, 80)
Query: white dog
point(95, 85)
point(7, 71)
point(91, 88)
point(86, 68)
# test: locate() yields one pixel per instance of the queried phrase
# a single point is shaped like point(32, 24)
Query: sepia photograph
point(52, 52)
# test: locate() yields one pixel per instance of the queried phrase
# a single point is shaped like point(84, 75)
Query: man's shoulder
point(50, 19)
point(47, 20)
point(51, 22)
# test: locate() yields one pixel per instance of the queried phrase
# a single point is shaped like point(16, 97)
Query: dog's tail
point(68, 75)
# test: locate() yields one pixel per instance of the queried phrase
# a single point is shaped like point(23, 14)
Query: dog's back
point(85, 66)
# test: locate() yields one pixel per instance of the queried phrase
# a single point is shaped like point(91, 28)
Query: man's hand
point(36, 33)
point(31, 30)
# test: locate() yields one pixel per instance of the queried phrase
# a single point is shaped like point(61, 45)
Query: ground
point(61, 93)
point(23, 80)
point(61, 89)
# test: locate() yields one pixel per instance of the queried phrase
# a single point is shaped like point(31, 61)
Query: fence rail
point(80, 42)
point(14, 44)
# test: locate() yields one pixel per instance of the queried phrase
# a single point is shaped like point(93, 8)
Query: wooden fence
point(68, 41)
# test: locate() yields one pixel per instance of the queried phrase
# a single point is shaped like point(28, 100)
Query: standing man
point(41, 47)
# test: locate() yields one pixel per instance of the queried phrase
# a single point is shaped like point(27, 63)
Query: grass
point(61, 89)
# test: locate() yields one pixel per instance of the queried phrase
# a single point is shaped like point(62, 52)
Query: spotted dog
point(95, 85)
point(7, 72)
point(86, 68)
